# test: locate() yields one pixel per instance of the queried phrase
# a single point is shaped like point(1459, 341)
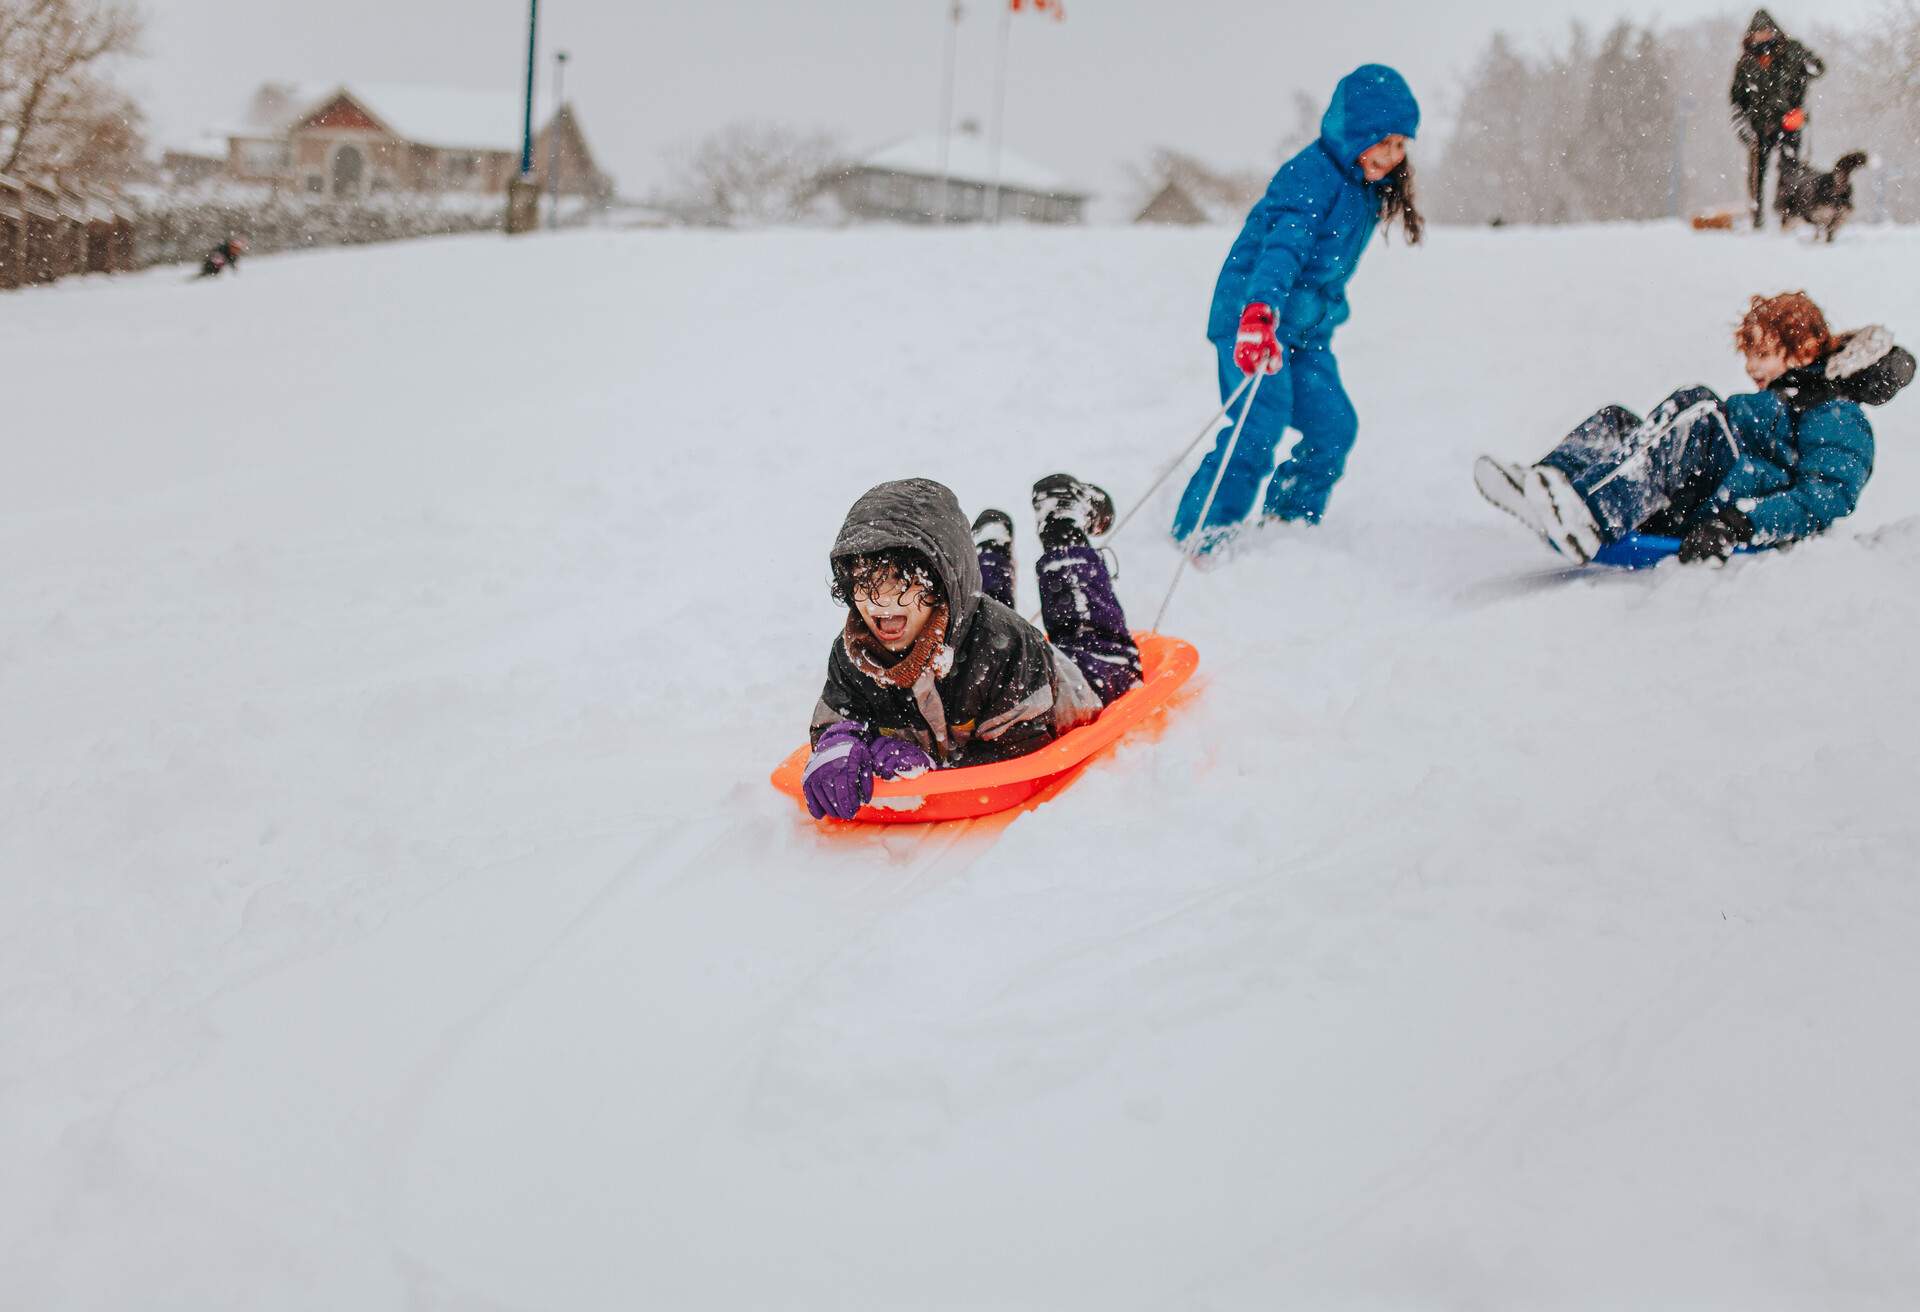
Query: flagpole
point(1000, 105)
point(946, 114)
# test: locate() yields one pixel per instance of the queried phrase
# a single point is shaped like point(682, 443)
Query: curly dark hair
point(854, 574)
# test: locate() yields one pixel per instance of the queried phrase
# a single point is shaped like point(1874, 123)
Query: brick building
point(354, 141)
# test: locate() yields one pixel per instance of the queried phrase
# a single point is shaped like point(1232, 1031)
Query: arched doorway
point(349, 166)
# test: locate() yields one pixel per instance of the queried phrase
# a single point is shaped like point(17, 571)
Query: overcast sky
point(1085, 95)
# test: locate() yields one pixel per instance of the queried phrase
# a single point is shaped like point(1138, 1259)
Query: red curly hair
point(1790, 323)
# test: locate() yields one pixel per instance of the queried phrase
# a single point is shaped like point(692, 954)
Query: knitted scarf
point(883, 666)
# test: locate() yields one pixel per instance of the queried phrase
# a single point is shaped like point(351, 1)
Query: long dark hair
point(1396, 202)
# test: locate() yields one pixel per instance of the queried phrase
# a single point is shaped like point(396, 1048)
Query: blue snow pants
point(1630, 470)
point(1306, 395)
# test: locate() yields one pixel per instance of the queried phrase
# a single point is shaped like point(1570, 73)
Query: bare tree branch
point(51, 105)
point(751, 174)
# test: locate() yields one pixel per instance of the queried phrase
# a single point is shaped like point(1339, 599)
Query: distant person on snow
point(1281, 295)
point(1769, 97)
point(1762, 469)
point(934, 667)
point(223, 257)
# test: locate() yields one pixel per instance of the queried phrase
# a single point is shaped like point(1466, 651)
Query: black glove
point(1715, 539)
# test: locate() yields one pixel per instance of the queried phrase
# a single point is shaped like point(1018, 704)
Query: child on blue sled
point(934, 668)
point(1761, 469)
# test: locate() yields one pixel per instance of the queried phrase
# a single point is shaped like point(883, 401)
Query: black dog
point(1823, 199)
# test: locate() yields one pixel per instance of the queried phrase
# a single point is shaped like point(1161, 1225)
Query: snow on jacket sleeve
point(1816, 67)
point(1795, 481)
point(1280, 242)
point(841, 698)
point(1763, 426)
point(1836, 459)
point(1002, 695)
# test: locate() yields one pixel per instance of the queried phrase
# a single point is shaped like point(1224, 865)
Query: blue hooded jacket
point(1798, 472)
point(1304, 237)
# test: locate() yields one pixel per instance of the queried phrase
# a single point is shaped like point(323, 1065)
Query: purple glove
point(896, 758)
point(839, 776)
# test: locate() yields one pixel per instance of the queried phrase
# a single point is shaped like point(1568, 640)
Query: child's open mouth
point(890, 628)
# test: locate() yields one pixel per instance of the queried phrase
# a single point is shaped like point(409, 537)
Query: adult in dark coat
point(1769, 98)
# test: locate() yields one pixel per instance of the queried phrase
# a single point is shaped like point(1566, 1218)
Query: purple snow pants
point(1083, 617)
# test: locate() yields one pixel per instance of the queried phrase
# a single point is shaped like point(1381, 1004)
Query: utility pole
point(946, 112)
point(553, 131)
point(999, 110)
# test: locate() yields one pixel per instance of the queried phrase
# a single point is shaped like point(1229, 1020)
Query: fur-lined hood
point(1866, 367)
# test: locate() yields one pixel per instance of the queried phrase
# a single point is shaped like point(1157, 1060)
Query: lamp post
point(553, 131)
point(523, 193)
point(533, 53)
point(946, 114)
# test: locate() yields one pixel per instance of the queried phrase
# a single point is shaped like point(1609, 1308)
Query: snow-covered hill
point(394, 914)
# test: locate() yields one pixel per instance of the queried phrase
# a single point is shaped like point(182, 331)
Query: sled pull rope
point(1181, 459)
point(1200, 525)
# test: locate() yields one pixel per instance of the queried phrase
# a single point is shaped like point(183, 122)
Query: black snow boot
point(993, 540)
point(1069, 512)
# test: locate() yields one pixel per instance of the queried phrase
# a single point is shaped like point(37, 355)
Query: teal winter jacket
point(1799, 471)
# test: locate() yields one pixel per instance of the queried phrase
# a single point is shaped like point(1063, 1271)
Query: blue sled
point(1642, 551)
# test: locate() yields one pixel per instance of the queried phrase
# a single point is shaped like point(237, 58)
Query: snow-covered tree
point(1489, 169)
point(751, 175)
point(1623, 146)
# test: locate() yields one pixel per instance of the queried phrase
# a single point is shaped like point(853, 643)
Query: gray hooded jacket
point(996, 691)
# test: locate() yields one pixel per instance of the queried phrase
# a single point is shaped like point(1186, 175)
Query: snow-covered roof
point(969, 159)
point(451, 118)
point(446, 116)
point(207, 147)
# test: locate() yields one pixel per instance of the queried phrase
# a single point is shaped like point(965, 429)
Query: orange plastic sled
point(978, 790)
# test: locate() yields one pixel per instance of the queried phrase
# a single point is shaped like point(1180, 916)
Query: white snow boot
point(1540, 497)
point(1566, 520)
point(1503, 485)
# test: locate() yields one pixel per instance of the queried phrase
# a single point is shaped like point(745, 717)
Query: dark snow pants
point(1083, 617)
point(1759, 150)
point(1631, 471)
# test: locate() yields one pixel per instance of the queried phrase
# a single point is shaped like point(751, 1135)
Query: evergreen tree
point(1624, 152)
point(1486, 163)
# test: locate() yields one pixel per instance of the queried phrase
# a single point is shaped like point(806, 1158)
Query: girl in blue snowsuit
point(1282, 293)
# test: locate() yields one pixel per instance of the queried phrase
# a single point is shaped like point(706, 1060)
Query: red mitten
point(1256, 347)
point(1795, 120)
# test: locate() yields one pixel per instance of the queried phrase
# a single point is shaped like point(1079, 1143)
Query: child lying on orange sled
point(934, 668)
